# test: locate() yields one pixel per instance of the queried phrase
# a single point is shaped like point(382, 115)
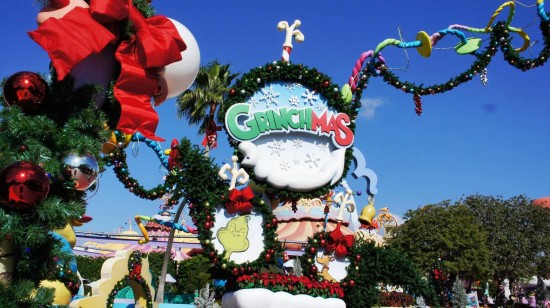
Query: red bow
point(338, 243)
point(239, 201)
point(136, 272)
point(155, 44)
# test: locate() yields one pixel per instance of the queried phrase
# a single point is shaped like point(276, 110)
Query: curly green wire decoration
point(500, 38)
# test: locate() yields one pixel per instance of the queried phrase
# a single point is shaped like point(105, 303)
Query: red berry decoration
point(23, 185)
point(26, 90)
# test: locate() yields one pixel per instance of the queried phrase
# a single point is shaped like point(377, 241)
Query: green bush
point(155, 266)
point(89, 269)
point(193, 274)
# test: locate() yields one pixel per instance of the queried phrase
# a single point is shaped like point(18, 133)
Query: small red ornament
point(235, 271)
point(314, 268)
point(268, 257)
point(212, 254)
point(357, 258)
point(232, 92)
point(352, 283)
point(268, 226)
point(208, 217)
point(23, 185)
point(207, 225)
point(274, 221)
point(23, 148)
point(26, 90)
point(312, 250)
point(326, 83)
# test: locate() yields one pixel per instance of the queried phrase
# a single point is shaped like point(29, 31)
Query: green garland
point(117, 160)
point(499, 38)
point(134, 268)
point(223, 269)
point(280, 71)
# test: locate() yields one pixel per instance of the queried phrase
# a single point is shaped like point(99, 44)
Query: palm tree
point(199, 103)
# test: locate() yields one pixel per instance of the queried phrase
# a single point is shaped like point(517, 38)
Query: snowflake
point(276, 147)
point(323, 147)
point(297, 143)
point(309, 97)
point(321, 107)
point(294, 101)
point(253, 102)
point(284, 166)
point(291, 86)
point(269, 96)
point(312, 160)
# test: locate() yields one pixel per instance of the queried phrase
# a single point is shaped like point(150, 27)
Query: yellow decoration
point(233, 237)
point(425, 49)
point(112, 143)
point(324, 261)
point(364, 235)
point(367, 214)
point(62, 294)
point(7, 261)
point(112, 271)
point(68, 234)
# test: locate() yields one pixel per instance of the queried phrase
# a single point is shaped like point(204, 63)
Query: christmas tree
point(55, 126)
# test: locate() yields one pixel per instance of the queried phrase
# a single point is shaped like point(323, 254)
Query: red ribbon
point(338, 243)
point(155, 44)
point(239, 201)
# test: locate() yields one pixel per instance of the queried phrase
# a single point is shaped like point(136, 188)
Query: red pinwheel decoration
point(211, 137)
point(239, 201)
point(174, 154)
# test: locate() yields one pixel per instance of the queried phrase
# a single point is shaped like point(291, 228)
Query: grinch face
point(233, 237)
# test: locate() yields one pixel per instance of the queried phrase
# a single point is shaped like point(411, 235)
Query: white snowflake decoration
point(323, 147)
point(291, 86)
point(294, 101)
point(309, 97)
point(312, 160)
point(270, 97)
point(320, 107)
point(297, 143)
point(276, 147)
point(284, 166)
point(253, 102)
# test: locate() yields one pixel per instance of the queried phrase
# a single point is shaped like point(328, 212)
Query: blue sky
point(492, 139)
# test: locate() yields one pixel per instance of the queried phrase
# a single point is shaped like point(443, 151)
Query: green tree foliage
point(155, 265)
point(90, 267)
point(447, 232)
point(517, 235)
point(381, 265)
point(193, 274)
point(199, 103)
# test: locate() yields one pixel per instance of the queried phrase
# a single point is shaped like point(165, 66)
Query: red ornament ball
point(23, 185)
point(352, 283)
point(26, 90)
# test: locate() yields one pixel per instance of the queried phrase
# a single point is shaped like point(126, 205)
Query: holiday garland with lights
point(134, 276)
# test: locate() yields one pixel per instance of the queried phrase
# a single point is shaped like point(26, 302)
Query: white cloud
point(251, 298)
point(369, 106)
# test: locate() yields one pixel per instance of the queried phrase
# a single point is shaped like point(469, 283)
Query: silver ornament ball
point(83, 170)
